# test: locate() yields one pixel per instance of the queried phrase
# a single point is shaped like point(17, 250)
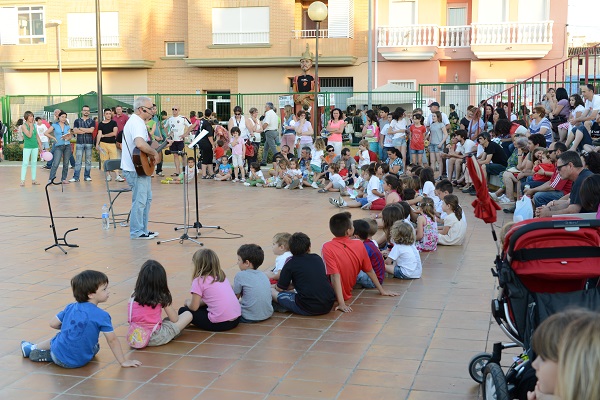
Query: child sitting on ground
point(363, 153)
point(312, 294)
point(150, 296)
point(403, 261)
point(362, 231)
point(224, 173)
point(213, 305)
point(345, 258)
point(251, 285)
point(281, 249)
point(427, 230)
point(189, 173)
point(293, 176)
point(442, 189)
point(256, 177)
point(455, 226)
point(80, 324)
point(336, 182)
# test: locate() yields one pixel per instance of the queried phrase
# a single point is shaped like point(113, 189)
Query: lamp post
point(99, 62)
point(55, 23)
point(317, 12)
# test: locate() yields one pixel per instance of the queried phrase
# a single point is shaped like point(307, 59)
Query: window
point(457, 15)
point(81, 28)
point(340, 19)
point(493, 12)
point(31, 25)
point(22, 25)
point(402, 13)
point(241, 25)
point(533, 11)
point(174, 49)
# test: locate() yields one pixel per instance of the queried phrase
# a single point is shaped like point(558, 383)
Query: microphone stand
point(57, 240)
point(185, 227)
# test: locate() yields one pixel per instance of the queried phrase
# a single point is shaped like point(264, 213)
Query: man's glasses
point(558, 167)
point(237, 114)
point(146, 110)
point(174, 109)
point(330, 150)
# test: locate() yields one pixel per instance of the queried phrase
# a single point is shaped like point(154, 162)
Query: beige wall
point(75, 82)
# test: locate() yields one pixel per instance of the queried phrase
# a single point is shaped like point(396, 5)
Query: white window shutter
point(9, 28)
point(341, 18)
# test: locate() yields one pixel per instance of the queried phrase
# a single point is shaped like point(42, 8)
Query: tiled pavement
point(415, 346)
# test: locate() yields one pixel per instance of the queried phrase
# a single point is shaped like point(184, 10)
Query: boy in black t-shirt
point(494, 157)
point(306, 272)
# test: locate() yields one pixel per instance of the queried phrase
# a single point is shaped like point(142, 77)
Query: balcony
point(309, 33)
point(334, 49)
point(486, 41)
point(89, 42)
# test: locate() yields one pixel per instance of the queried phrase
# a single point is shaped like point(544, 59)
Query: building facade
point(254, 46)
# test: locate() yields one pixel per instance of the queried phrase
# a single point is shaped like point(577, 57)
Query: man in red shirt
point(345, 258)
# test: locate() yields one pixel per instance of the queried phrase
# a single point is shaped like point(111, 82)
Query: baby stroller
point(546, 266)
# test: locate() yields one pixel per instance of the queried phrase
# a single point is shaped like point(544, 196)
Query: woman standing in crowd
point(31, 146)
point(289, 128)
point(304, 131)
point(61, 133)
point(106, 139)
point(335, 127)
point(254, 130)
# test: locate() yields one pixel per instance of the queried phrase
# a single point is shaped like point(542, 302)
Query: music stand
point(57, 240)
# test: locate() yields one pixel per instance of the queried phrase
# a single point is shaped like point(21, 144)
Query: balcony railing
point(513, 33)
point(241, 38)
point(455, 36)
point(465, 36)
point(309, 33)
point(410, 35)
point(89, 42)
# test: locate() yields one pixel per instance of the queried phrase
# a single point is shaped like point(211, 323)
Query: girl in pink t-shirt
point(237, 154)
point(214, 305)
point(150, 297)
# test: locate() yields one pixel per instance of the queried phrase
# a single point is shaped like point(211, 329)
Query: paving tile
point(385, 346)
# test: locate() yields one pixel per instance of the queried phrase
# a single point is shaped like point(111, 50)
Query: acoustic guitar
point(141, 161)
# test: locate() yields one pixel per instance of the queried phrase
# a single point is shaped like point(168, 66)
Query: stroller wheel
point(477, 365)
point(494, 383)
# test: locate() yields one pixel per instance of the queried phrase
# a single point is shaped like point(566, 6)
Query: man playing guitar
point(135, 134)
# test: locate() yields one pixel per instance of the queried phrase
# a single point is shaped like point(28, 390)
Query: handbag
point(249, 151)
point(138, 335)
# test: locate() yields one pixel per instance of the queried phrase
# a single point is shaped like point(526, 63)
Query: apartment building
point(254, 46)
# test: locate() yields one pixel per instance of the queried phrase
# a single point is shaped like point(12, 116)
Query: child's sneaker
point(494, 196)
point(504, 200)
point(300, 187)
point(287, 187)
point(246, 184)
point(314, 185)
point(26, 348)
point(236, 180)
point(243, 180)
point(295, 183)
point(119, 179)
point(259, 185)
point(334, 202)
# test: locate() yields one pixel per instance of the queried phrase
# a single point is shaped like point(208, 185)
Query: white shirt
point(134, 128)
point(429, 191)
point(315, 157)
point(397, 125)
point(257, 176)
point(41, 130)
point(280, 261)
point(242, 125)
point(387, 139)
point(408, 259)
point(465, 148)
point(456, 234)
point(177, 127)
point(593, 105)
point(337, 180)
point(271, 120)
point(372, 185)
point(445, 119)
point(364, 158)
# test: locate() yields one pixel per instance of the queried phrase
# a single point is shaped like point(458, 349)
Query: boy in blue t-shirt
point(80, 325)
point(362, 231)
point(225, 170)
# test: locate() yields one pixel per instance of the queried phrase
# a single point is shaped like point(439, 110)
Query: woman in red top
point(335, 127)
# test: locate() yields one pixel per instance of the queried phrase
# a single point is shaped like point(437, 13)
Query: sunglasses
point(174, 109)
point(238, 114)
point(330, 151)
point(558, 167)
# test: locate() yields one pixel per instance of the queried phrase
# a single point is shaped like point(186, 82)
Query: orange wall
point(448, 70)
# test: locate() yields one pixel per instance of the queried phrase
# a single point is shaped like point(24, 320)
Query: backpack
point(249, 151)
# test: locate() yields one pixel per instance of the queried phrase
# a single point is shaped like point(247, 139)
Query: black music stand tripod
point(58, 242)
point(185, 235)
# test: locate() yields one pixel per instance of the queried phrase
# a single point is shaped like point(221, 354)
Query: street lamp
point(317, 12)
point(55, 23)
